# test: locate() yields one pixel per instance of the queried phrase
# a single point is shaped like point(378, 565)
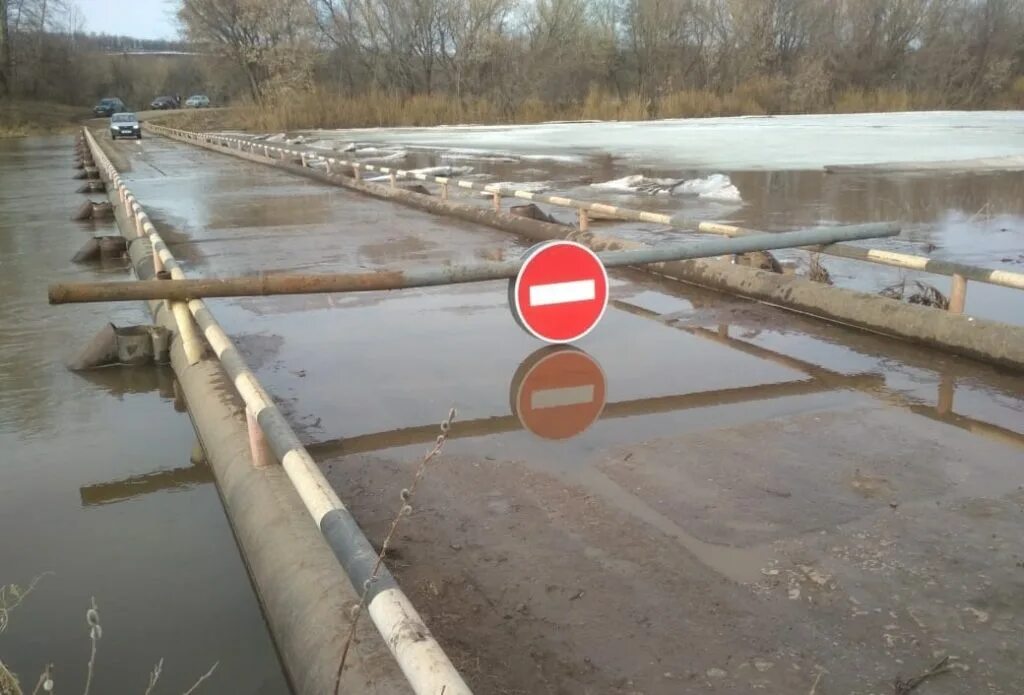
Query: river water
point(954, 181)
point(98, 495)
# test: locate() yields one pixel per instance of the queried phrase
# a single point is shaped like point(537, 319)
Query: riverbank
point(324, 109)
point(21, 118)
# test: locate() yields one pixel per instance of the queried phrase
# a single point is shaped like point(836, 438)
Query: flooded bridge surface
point(727, 498)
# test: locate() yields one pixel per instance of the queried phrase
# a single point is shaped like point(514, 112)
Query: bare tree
point(5, 50)
point(267, 39)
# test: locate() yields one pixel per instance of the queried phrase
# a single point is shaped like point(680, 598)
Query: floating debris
point(925, 294)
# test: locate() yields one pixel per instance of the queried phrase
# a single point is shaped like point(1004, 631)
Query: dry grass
point(12, 595)
point(919, 293)
point(887, 100)
point(321, 108)
point(817, 272)
point(20, 118)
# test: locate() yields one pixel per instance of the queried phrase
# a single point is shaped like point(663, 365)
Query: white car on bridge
point(125, 125)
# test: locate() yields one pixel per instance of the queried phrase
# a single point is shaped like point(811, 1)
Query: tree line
point(663, 57)
point(46, 54)
point(786, 54)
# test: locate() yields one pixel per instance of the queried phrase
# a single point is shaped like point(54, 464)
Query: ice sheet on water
point(385, 156)
point(511, 186)
point(430, 171)
point(443, 171)
point(629, 184)
point(374, 151)
point(716, 187)
point(323, 146)
point(758, 143)
point(564, 158)
point(477, 156)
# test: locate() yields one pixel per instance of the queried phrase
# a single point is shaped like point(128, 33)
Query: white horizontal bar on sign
point(559, 398)
point(562, 292)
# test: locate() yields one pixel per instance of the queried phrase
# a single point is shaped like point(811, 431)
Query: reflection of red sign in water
point(557, 393)
point(561, 291)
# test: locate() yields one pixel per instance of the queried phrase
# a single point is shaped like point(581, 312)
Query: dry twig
point(407, 496)
point(9, 682)
point(925, 295)
point(817, 272)
point(154, 676)
point(202, 679)
point(92, 619)
point(11, 597)
point(45, 681)
point(902, 687)
point(814, 686)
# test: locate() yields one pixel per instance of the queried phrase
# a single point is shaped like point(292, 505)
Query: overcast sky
point(145, 19)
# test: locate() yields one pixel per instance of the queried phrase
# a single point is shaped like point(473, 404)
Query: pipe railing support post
point(262, 457)
point(958, 294)
point(947, 388)
point(584, 218)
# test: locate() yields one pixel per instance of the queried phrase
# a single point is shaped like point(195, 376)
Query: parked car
point(164, 103)
point(109, 106)
point(198, 101)
point(126, 125)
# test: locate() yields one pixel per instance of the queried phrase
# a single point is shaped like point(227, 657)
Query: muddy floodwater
point(98, 495)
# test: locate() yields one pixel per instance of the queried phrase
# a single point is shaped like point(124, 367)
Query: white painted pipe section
point(418, 654)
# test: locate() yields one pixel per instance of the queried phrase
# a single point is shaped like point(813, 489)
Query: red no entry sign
point(558, 392)
point(561, 291)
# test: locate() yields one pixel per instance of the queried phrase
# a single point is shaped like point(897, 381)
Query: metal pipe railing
point(261, 285)
point(424, 663)
point(959, 272)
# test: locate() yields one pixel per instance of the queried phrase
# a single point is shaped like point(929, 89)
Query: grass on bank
point(320, 108)
point(19, 118)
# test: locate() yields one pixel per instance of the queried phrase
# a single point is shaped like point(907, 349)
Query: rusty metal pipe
point(261, 285)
